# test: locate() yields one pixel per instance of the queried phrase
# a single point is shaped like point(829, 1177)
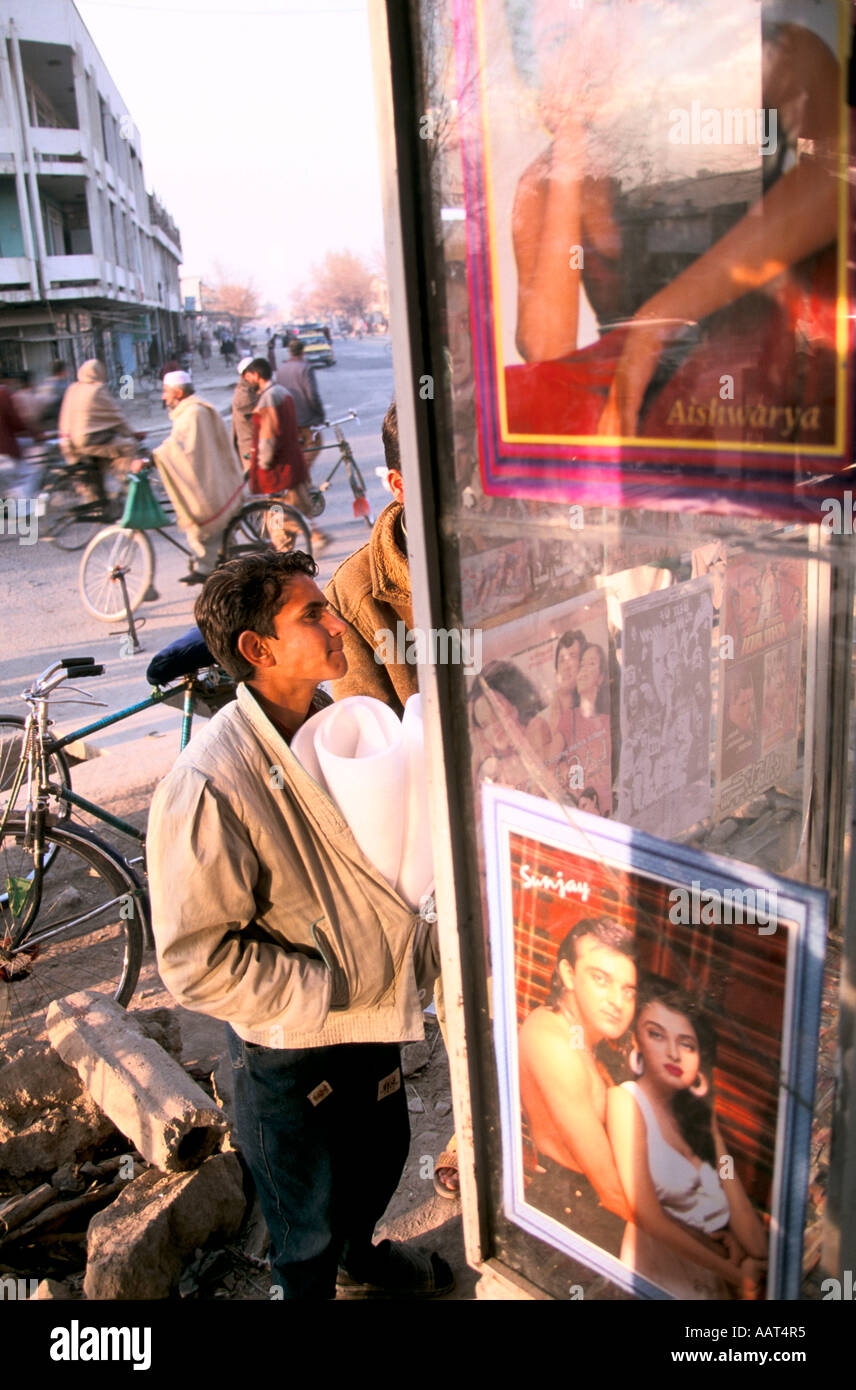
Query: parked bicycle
point(74, 912)
point(118, 564)
point(362, 506)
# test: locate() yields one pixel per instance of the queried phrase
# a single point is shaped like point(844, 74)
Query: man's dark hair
point(295, 347)
point(245, 595)
point(510, 682)
point(262, 366)
point(389, 435)
point(567, 639)
point(606, 933)
point(57, 367)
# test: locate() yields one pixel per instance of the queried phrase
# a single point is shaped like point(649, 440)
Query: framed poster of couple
point(656, 1012)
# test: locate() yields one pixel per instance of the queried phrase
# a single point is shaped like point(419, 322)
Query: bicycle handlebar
point(80, 667)
point(351, 415)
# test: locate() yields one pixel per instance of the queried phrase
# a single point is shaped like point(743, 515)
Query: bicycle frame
point(38, 753)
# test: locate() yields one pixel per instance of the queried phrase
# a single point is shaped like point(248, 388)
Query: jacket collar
point(390, 570)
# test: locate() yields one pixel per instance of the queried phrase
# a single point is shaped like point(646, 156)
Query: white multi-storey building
point(88, 259)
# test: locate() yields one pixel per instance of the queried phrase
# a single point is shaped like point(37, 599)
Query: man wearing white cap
point(200, 471)
point(243, 405)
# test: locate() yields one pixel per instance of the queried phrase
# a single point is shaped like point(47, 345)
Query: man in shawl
point(200, 471)
point(91, 425)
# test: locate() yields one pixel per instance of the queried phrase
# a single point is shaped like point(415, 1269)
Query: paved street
point(43, 616)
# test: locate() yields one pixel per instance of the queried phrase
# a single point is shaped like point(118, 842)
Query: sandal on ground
point(448, 1163)
point(408, 1273)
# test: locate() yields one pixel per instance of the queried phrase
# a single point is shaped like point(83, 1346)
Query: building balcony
point(59, 146)
point(14, 272)
point(71, 272)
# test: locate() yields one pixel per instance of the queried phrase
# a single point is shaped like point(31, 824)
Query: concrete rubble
point(47, 1118)
point(136, 1248)
point(111, 1080)
point(147, 1095)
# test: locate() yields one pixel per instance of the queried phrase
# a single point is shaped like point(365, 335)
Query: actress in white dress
point(694, 1232)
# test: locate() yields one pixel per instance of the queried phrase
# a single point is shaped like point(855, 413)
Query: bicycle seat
point(181, 658)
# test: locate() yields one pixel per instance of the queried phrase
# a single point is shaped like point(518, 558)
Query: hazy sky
point(257, 126)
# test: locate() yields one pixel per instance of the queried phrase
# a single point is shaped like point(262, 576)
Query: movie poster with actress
point(658, 250)
point(656, 1015)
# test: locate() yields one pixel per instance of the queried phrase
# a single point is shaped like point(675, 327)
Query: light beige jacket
point(263, 904)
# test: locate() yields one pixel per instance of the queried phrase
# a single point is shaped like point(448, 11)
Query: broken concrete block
point(47, 1118)
point(137, 1247)
point(147, 1095)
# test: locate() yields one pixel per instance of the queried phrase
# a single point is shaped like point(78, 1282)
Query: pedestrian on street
point(277, 464)
point(200, 471)
point(245, 870)
point(243, 404)
point(298, 378)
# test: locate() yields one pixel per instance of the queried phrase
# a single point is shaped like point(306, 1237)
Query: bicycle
point(362, 506)
point(90, 933)
point(117, 569)
point(69, 519)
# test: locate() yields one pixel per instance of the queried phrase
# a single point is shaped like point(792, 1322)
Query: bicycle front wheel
point(113, 552)
point(266, 523)
point(82, 925)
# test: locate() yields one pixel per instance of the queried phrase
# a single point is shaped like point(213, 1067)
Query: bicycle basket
point(143, 511)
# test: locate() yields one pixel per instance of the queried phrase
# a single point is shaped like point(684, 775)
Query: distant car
point(316, 350)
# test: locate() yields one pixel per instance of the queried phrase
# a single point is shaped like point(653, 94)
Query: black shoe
point(401, 1271)
point(192, 577)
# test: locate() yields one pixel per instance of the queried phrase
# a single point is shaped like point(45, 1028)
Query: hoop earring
point(700, 1087)
point(637, 1065)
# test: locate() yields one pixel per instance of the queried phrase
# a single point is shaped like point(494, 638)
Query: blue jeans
point(325, 1132)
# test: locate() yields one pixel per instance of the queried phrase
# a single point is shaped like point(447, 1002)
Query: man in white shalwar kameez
point(200, 471)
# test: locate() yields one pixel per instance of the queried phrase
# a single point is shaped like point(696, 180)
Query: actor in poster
point(563, 1080)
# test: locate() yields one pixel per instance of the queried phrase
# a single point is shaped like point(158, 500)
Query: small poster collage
point(610, 707)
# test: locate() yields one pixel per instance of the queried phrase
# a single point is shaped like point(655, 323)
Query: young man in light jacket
point(267, 915)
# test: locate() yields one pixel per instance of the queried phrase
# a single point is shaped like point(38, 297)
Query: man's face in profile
point(603, 983)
